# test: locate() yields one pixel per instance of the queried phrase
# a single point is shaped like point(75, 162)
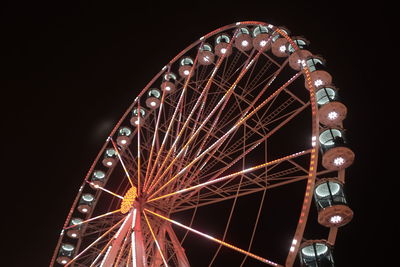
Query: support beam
point(115, 246)
point(138, 250)
point(179, 250)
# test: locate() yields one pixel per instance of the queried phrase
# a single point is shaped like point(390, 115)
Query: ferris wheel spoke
point(100, 254)
point(105, 190)
point(223, 243)
point(155, 136)
point(231, 176)
point(176, 140)
point(120, 160)
point(92, 219)
point(94, 242)
point(139, 170)
point(155, 240)
point(122, 250)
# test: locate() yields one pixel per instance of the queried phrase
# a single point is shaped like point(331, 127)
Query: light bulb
point(336, 219)
point(333, 115)
point(338, 161)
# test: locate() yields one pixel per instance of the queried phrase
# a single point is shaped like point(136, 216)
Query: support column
point(157, 259)
point(138, 250)
point(115, 246)
point(179, 250)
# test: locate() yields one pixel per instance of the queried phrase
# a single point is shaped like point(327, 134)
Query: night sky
point(70, 71)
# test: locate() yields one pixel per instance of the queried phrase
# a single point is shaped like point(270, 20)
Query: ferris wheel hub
point(129, 200)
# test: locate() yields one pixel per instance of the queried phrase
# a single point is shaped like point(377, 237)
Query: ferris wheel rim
point(315, 128)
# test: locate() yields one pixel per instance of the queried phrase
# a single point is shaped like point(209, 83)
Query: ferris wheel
point(245, 110)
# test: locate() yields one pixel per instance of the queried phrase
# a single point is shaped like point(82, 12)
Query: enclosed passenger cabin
point(261, 38)
point(85, 203)
point(331, 203)
point(185, 67)
point(124, 136)
point(331, 112)
point(301, 43)
point(319, 78)
point(168, 83)
point(243, 41)
point(206, 55)
point(98, 178)
point(65, 253)
point(316, 253)
point(279, 47)
point(222, 46)
point(298, 58)
point(110, 157)
point(153, 98)
point(75, 231)
point(138, 116)
point(336, 155)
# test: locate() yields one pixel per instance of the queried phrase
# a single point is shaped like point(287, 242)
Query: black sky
point(71, 69)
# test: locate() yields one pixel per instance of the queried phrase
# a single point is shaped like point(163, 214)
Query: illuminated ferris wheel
point(243, 111)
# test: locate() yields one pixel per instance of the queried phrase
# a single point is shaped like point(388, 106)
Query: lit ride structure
point(243, 111)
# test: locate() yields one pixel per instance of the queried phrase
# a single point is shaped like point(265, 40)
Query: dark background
point(71, 69)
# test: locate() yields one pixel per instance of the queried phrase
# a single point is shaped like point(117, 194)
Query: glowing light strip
point(92, 219)
point(94, 242)
point(232, 175)
point(122, 226)
point(133, 246)
point(146, 180)
point(155, 239)
point(215, 239)
point(101, 253)
point(138, 154)
point(121, 250)
point(177, 138)
point(120, 159)
point(105, 256)
point(105, 190)
point(128, 261)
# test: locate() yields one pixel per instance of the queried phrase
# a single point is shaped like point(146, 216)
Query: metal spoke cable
point(259, 208)
point(232, 208)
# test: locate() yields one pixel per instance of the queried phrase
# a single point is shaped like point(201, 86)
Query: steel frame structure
point(198, 148)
